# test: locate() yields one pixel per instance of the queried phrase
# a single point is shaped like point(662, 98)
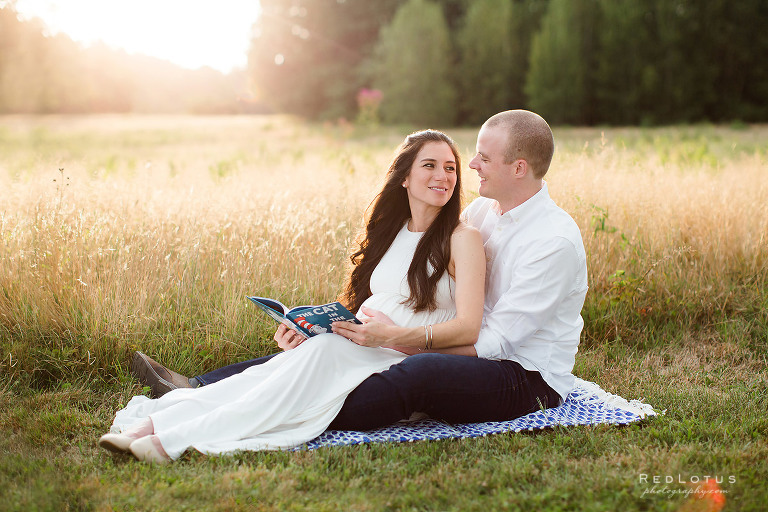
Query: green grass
point(714, 425)
point(157, 227)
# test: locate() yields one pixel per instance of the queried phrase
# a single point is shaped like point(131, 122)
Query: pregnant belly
point(391, 305)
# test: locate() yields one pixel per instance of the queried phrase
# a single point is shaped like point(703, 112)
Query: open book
point(308, 320)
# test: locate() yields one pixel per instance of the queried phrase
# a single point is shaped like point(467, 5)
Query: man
point(536, 281)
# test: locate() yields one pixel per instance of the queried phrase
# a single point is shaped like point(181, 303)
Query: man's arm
point(542, 277)
point(463, 350)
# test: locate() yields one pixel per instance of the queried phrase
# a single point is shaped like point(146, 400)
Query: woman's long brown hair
point(385, 217)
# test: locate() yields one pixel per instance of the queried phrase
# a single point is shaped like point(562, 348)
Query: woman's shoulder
point(467, 248)
point(464, 233)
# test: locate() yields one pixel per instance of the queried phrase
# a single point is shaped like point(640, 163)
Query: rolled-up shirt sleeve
point(543, 275)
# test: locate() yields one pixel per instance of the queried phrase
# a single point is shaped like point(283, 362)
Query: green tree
point(526, 22)
point(667, 62)
point(714, 58)
point(742, 46)
point(487, 68)
point(559, 84)
point(412, 66)
point(494, 44)
point(627, 78)
point(683, 61)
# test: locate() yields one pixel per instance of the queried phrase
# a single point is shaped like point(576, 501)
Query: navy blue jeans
point(456, 389)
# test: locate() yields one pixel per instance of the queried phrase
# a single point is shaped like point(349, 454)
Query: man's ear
point(520, 168)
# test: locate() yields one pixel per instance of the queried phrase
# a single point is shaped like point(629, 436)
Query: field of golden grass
point(123, 232)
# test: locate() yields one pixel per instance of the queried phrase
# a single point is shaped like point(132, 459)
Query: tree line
point(457, 61)
point(42, 74)
point(431, 62)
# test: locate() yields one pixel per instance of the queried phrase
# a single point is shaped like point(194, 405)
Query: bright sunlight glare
point(191, 34)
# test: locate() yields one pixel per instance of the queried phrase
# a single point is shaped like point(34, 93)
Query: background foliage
point(416, 44)
point(574, 61)
point(437, 62)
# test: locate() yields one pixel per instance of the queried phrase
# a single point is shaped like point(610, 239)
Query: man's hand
point(287, 338)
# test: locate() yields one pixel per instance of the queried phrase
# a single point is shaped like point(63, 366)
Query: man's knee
point(429, 362)
point(416, 367)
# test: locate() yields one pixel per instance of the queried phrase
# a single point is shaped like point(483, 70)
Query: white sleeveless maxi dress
point(293, 397)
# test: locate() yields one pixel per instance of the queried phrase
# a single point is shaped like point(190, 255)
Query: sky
point(190, 33)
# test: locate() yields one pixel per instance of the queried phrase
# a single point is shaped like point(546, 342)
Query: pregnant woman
point(417, 282)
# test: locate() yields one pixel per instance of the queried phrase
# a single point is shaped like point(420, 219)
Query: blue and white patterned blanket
point(587, 404)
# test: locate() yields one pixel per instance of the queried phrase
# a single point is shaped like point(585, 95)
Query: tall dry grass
point(122, 233)
point(675, 222)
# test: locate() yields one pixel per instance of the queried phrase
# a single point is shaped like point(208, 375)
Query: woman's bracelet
point(428, 339)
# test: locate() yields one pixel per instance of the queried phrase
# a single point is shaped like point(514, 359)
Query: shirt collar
point(519, 212)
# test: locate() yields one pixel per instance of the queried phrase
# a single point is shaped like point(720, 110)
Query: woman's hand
point(377, 315)
point(375, 331)
point(287, 338)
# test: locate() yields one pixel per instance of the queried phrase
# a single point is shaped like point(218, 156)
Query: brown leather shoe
point(159, 378)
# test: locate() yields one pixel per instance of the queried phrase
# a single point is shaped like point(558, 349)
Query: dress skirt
point(281, 404)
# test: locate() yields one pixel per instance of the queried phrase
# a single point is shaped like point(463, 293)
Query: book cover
point(308, 320)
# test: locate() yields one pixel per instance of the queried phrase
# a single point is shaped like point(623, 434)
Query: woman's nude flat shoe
point(117, 443)
point(145, 450)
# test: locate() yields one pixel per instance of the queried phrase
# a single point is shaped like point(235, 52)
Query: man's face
point(496, 176)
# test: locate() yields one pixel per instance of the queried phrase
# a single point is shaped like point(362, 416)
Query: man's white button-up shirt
point(536, 281)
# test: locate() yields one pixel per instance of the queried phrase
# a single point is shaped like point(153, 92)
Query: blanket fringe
point(598, 395)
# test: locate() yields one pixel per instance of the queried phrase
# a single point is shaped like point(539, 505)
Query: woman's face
point(432, 178)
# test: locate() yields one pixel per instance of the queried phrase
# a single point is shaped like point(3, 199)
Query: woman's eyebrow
point(434, 160)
